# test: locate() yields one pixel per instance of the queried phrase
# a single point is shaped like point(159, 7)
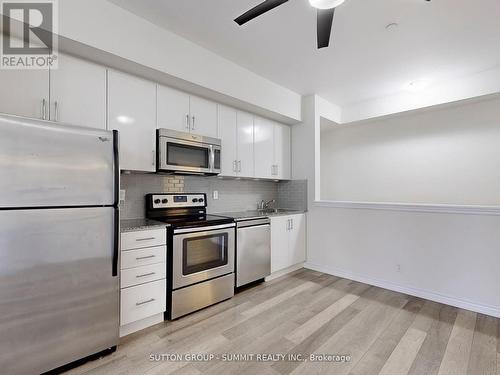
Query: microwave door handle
point(212, 158)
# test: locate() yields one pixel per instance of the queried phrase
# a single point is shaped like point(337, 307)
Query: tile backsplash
point(234, 195)
point(293, 194)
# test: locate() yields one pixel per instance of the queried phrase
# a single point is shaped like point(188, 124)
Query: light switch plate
point(215, 195)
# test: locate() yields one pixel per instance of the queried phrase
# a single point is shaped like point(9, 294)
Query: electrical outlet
point(122, 195)
point(398, 267)
point(215, 194)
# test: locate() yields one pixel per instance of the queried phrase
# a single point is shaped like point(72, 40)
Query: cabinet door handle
point(44, 109)
point(144, 302)
point(187, 122)
point(147, 257)
point(239, 166)
point(234, 166)
point(192, 127)
point(145, 275)
point(56, 111)
point(291, 224)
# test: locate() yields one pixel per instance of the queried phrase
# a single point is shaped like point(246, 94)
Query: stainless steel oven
point(186, 153)
point(201, 254)
point(201, 251)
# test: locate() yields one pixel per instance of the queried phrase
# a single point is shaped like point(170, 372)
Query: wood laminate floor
point(306, 313)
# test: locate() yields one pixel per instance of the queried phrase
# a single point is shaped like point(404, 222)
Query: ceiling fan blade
point(325, 21)
point(260, 9)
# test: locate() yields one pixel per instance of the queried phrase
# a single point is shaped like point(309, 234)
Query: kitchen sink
point(276, 211)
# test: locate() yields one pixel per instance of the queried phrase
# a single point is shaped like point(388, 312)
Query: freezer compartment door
point(59, 300)
point(45, 164)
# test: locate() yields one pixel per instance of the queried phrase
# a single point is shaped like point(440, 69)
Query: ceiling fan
point(325, 10)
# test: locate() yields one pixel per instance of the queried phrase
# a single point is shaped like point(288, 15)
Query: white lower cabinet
point(143, 279)
point(297, 248)
point(143, 274)
point(142, 301)
point(142, 239)
point(288, 241)
point(143, 257)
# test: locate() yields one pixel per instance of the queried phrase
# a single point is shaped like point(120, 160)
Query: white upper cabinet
point(78, 93)
point(25, 93)
point(73, 93)
point(236, 133)
point(203, 116)
point(282, 155)
point(186, 113)
point(227, 134)
point(132, 111)
point(264, 148)
point(245, 141)
point(173, 109)
point(272, 150)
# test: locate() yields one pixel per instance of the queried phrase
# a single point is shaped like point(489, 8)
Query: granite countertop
point(133, 225)
point(260, 214)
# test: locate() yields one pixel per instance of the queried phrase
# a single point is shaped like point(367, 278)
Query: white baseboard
point(280, 273)
point(140, 324)
point(436, 297)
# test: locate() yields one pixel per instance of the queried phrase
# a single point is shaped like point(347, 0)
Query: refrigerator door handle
point(116, 245)
point(116, 158)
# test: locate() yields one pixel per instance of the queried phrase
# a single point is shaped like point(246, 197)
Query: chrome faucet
point(266, 205)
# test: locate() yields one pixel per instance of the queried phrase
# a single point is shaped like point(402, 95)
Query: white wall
point(305, 136)
point(443, 156)
point(483, 83)
point(446, 255)
point(449, 258)
point(105, 26)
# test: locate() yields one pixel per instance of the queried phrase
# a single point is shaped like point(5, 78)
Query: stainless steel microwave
point(186, 153)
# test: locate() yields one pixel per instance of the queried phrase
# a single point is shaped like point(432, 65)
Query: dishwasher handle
point(253, 223)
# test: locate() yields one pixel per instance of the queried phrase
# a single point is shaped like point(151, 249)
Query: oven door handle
point(204, 229)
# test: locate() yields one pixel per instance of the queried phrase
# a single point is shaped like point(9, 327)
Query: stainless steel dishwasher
point(253, 250)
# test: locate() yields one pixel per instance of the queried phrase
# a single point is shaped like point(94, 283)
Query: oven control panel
point(177, 200)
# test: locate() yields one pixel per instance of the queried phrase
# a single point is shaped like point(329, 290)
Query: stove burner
point(182, 210)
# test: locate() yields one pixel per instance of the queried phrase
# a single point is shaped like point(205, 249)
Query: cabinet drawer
point(143, 238)
point(143, 257)
point(143, 274)
point(143, 301)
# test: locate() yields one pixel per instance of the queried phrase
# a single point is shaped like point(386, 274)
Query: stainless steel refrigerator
point(59, 290)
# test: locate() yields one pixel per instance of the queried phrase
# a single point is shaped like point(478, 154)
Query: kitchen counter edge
point(136, 225)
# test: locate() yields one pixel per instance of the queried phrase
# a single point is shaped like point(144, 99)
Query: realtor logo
point(29, 34)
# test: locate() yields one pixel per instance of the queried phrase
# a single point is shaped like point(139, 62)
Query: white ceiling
point(441, 40)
